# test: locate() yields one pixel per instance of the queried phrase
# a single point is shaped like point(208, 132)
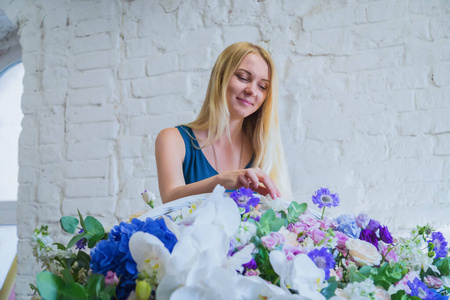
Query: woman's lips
point(244, 101)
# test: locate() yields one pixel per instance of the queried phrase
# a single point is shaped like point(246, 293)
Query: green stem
point(323, 212)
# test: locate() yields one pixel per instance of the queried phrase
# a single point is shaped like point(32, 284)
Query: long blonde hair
point(261, 127)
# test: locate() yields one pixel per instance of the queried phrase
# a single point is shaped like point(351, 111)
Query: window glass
point(11, 89)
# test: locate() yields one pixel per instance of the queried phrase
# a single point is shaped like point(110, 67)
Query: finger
point(270, 186)
point(253, 178)
point(243, 180)
point(262, 190)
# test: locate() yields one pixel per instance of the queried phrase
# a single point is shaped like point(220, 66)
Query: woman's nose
point(250, 89)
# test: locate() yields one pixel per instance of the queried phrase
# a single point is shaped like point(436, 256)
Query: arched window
point(11, 89)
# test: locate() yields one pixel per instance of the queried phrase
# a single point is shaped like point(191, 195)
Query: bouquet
point(243, 246)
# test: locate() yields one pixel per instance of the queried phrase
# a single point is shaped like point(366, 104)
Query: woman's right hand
point(253, 178)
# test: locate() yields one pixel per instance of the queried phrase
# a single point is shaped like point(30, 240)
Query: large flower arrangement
point(243, 246)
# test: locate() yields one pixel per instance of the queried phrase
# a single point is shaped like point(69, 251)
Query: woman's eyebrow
point(243, 70)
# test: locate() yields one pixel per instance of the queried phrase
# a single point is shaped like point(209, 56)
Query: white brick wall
point(364, 101)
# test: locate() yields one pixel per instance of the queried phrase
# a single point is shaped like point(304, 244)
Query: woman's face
point(248, 86)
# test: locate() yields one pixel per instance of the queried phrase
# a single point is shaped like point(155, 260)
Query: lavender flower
point(420, 289)
point(369, 236)
point(362, 220)
point(385, 235)
point(373, 225)
point(245, 198)
point(322, 197)
point(440, 244)
point(323, 259)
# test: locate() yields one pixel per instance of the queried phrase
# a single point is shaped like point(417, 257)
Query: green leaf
point(329, 291)
point(354, 275)
point(443, 266)
point(69, 224)
point(76, 238)
point(95, 229)
point(95, 284)
point(67, 276)
point(73, 291)
point(81, 219)
point(276, 224)
point(265, 220)
point(48, 285)
point(60, 246)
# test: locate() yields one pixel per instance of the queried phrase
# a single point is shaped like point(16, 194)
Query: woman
point(235, 141)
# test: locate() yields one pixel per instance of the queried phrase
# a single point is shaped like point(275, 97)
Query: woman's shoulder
point(169, 136)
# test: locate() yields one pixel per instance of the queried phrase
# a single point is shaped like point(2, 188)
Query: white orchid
point(300, 274)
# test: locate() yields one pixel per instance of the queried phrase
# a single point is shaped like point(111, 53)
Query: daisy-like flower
point(440, 244)
point(323, 197)
point(323, 259)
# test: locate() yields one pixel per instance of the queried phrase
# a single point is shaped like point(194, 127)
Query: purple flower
point(385, 235)
point(373, 225)
point(251, 265)
point(245, 198)
point(440, 244)
point(81, 244)
point(114, 254)
point(323, 259)
point(322, 197)
point(369, 236)
point(347, 225)
point(420, 289)
point(362, 220)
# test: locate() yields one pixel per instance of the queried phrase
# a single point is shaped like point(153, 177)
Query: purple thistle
point(245, 198)
point(369, 236)
point(323, 259)
point(440, 244)
point(420, 289)
point(322, 197)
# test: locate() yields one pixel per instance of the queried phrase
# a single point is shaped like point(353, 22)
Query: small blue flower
point(245, 198)
point(440, 244)
point(323, 259)
point(347, 225)
point(322, 197)
point(420, 289)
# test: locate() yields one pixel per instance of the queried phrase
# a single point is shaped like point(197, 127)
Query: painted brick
point(326, 19)
point(172, 83)
point(130, 147)
point(133, 68)
point(332, 41)
point(432, 98)
point(241, 33)
point(89, 96)
point(95, 60)
point(385, 10)
point(92, 131)
point(91, 78)
point(441, 145)
point(85, 187)
point(87, 169)
point(97, 42)
point(162, 63)
point(79, 151)
point(441, 74)
point(94, 26)
point(50, 154)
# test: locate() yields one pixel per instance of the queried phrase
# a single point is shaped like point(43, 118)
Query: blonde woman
point(235, 141)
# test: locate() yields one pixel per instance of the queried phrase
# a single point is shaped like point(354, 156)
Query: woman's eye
point(242, 78)
point(263, 87)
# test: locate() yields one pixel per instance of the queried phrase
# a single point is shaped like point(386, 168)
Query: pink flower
point(269, 242)
point(111, 278)
point(278, 236)
point(325, 223)
point(391, 255)
point(252, 272)
point(341, 238)
point(309, 220)
point(298, 227)
point(290, 251)
point(317, 235)
point(433, 282)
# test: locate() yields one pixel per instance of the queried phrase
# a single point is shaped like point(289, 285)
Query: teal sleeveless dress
point(195, 165)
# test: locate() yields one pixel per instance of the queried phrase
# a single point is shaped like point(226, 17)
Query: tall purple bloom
point(323, 197)
point(323, 259)
point(385, 235)
point(440, 244)
point(81, 244)
point(369, 236)
point(245, 198)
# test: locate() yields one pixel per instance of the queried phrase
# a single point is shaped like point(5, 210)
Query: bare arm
point(170, 152)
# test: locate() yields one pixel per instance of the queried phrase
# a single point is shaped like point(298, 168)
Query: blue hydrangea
point(323, 259)
point(245, 198)
point(440, 244)
point(347, 224)
point(323, 197)
point(114, 254)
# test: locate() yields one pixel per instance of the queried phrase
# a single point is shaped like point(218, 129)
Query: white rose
point(364, 253)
